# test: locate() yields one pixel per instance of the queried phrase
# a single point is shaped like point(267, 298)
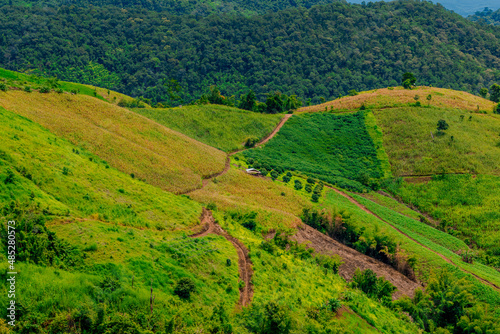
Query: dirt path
point(244, 262)
point(228, 159)
point(362, 207)
point(353, 259)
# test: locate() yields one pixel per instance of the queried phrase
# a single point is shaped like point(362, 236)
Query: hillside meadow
point(415, 147)
point(225, 128)
point(398, 97)
point(74, 183)
point(127, 141)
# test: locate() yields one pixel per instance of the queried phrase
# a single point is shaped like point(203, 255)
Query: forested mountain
point(324, 51)
point(198, 8)
point(487, 16)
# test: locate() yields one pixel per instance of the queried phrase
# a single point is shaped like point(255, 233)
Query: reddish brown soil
point(244, 262)
point(354, 259)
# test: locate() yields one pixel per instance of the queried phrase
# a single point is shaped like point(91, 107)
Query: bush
point(298, 185)
point(286, 179)
point(251, 141)
point(315, 198)
point(3, 87)
point(374, 287)
point(310, 180)
point(45, 90)
point(352, 92)
point(277, 319)
point(274, 175)
point(308, 188)
point(27, 89)
point(497, 110)
point(59, 91)
point(184, 288)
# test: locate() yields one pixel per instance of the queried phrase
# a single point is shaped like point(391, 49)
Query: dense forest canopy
point(182, 7)
point(324, 51)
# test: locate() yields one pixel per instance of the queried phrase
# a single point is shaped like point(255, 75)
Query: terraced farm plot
point(68, 181)
point(469, 145)
point(222, 127)
point(129, 142)
point(334, 148)
point(399, 97)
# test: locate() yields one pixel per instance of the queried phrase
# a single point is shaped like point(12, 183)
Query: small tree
point(247, 101)
point(495, 93)
point(185, 286)
point(298, 185)
point(408, 80)
point(483, 92)
point(497, 110)
point(429, 98)
point(442, 125)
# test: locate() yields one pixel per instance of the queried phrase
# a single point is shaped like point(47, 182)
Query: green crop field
point(470, 145)
point(428, 261)
point(336, 149)
point(222, 127)
point(467, 207)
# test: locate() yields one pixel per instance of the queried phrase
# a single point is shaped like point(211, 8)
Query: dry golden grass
point(236, 189)
point(381, 98)
point(126, 140)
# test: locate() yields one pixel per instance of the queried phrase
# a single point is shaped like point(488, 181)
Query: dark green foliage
point(35, 243)
point(442, 125)
point(289, 174)
point(10, 177)
point(315, 198)
point(278, 103)
point(274, 175)
point(3, 87)
point(332, 148)
point(246, 219)
point(332, 305)
point(110, 283)
point(308, 188)
point(277, 319)
point(298, 185)
point(116, 40)
point(483, 92)
point(332, 263)
point(448, 303)
point(27, 89)
point(286, 179)
point(310, 180)
point(184, 288)
point(228, 262)
point(251, 141)
point(219, 321)
point(408, 80)
point(497, 109)
point(374, 287)
point(495, 93)
point(247, 101)
point(45, 90)
point(352, 92)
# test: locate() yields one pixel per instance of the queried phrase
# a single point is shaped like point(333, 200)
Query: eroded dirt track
point(244, 262)
point(354, 259)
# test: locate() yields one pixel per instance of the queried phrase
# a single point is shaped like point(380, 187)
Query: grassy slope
point(469, 205)
point(89, 187)
point(397, 97)
point(129, 142)
point(237, 190)
point(412, 150)
point(428, 261)
point(222, 127)
point(326, 146)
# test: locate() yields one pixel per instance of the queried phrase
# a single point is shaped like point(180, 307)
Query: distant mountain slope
point(488, 16)
point(323, 51)
point(127, 141)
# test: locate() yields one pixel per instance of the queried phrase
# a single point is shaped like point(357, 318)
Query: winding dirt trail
point(228, 158)
point(362, 207)
point(244, 262)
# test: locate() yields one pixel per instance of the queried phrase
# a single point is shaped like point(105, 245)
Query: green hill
point(324, 51)
point(222, 127)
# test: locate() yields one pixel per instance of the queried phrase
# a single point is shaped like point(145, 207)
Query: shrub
point(286, 179)
point(110, 283)
point(10, 178)
point(45, 90)
point(332, 305)
point(289, 174)
point(497, 110)
point(228, 262)
point(310, 180)
point(315, 198)
point(298, 185)
point(352, 92)
point(3, 87)
point(27, 89)
point(374, 287)
point(59, 91)
point(184, 288)
point(308, 188)
point(251, 141)
point(277, 319)
point(91, 248)
point(274, 175)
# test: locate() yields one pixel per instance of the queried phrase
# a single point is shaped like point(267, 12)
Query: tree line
point(321, 52)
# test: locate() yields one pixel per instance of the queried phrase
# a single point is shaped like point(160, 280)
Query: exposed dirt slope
point(244, 262)
point(354, 259)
